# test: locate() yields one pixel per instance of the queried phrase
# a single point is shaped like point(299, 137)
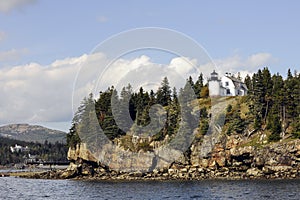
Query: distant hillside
point(45, 151)
point(32, 133)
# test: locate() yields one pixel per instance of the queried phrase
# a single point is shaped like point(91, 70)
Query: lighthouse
point(214, 84)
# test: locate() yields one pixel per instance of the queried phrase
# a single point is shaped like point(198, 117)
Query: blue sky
point(233, 32)
point(51, 30)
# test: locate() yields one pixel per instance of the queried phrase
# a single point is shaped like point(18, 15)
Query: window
point(228, 91)
point(226, 83)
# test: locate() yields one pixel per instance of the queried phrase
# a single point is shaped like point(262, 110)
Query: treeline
point(138, 105)
point(273, 104)
point(47, 151)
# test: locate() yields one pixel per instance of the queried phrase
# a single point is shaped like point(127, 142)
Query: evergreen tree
point(198, 85)
point(275, 129)
point(291, 91)
point(267, 92)
point(276, 103)
point(173, 114)
point(191, 82)
point(73, 137)
point(258, 98)
point(248, 83)
point(163, 95)
point(188, 121)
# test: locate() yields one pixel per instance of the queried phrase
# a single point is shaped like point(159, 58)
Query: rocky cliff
point(233, 157)
point(220, 152)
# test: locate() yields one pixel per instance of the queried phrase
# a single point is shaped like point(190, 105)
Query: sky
point(43, 45)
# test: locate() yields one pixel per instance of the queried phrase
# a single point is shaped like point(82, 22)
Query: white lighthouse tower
point(214, 84)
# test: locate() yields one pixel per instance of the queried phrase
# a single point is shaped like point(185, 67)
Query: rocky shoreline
point(228, 160)
point(85, 172)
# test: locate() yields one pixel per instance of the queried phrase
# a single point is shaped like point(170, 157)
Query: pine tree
point(267, 92)
point(191, 82)
point(198, 85)
point(72, 137)
point(188, 121)
point(258, 98)
point(173, 114)
point(248, 83)
point(276, 103)
point(275, 129)
point(291, 92)
point(163, 95)
point(296, 120)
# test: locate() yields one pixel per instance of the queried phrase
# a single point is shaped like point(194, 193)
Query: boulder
point(254, 172)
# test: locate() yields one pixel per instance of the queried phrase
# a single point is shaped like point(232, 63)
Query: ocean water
point(18, 188)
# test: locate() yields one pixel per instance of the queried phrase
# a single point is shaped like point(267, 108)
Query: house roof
point(238, 83)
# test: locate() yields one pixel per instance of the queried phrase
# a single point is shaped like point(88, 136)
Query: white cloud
point(38, 94)
point(34, 93)
point(260, 59)
point(9, 5)
point(12, 55)
point(236, 63)
point(183, 65)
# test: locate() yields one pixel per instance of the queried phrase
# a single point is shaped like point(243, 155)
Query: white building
point(17, 148)
point(227, 85)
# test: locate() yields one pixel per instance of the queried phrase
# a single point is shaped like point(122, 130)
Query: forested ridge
point(272, 107)
point(46, 151)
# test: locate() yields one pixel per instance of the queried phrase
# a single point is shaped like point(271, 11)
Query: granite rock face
point(230, 158)
point(81, 152)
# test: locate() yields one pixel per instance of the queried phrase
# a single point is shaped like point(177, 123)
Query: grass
point(254, 142)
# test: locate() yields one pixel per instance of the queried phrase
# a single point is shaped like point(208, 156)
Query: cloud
point(260, 59)
point(34, 93)
point(183, 65)
point(13, 54)
point(236, 63)
point(9, 5)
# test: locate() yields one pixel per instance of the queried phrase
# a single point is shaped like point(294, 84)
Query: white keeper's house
point(227, 85)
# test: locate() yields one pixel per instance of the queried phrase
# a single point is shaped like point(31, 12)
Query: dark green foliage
point(191, 82)
point(233, 119)
point(198, 85)
point(275, 127)
point(163, 95)
point(204, 125)
point(47, 151)
point(203, 113)
point(73, 137)
point(188, 121)
point(103, 109)
point(248, 82)
point(296, 128)
point(273, 104)
point(229, 108)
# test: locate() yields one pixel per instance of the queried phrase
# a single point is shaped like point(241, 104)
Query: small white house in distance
point(227, 85)
point(17, 148)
